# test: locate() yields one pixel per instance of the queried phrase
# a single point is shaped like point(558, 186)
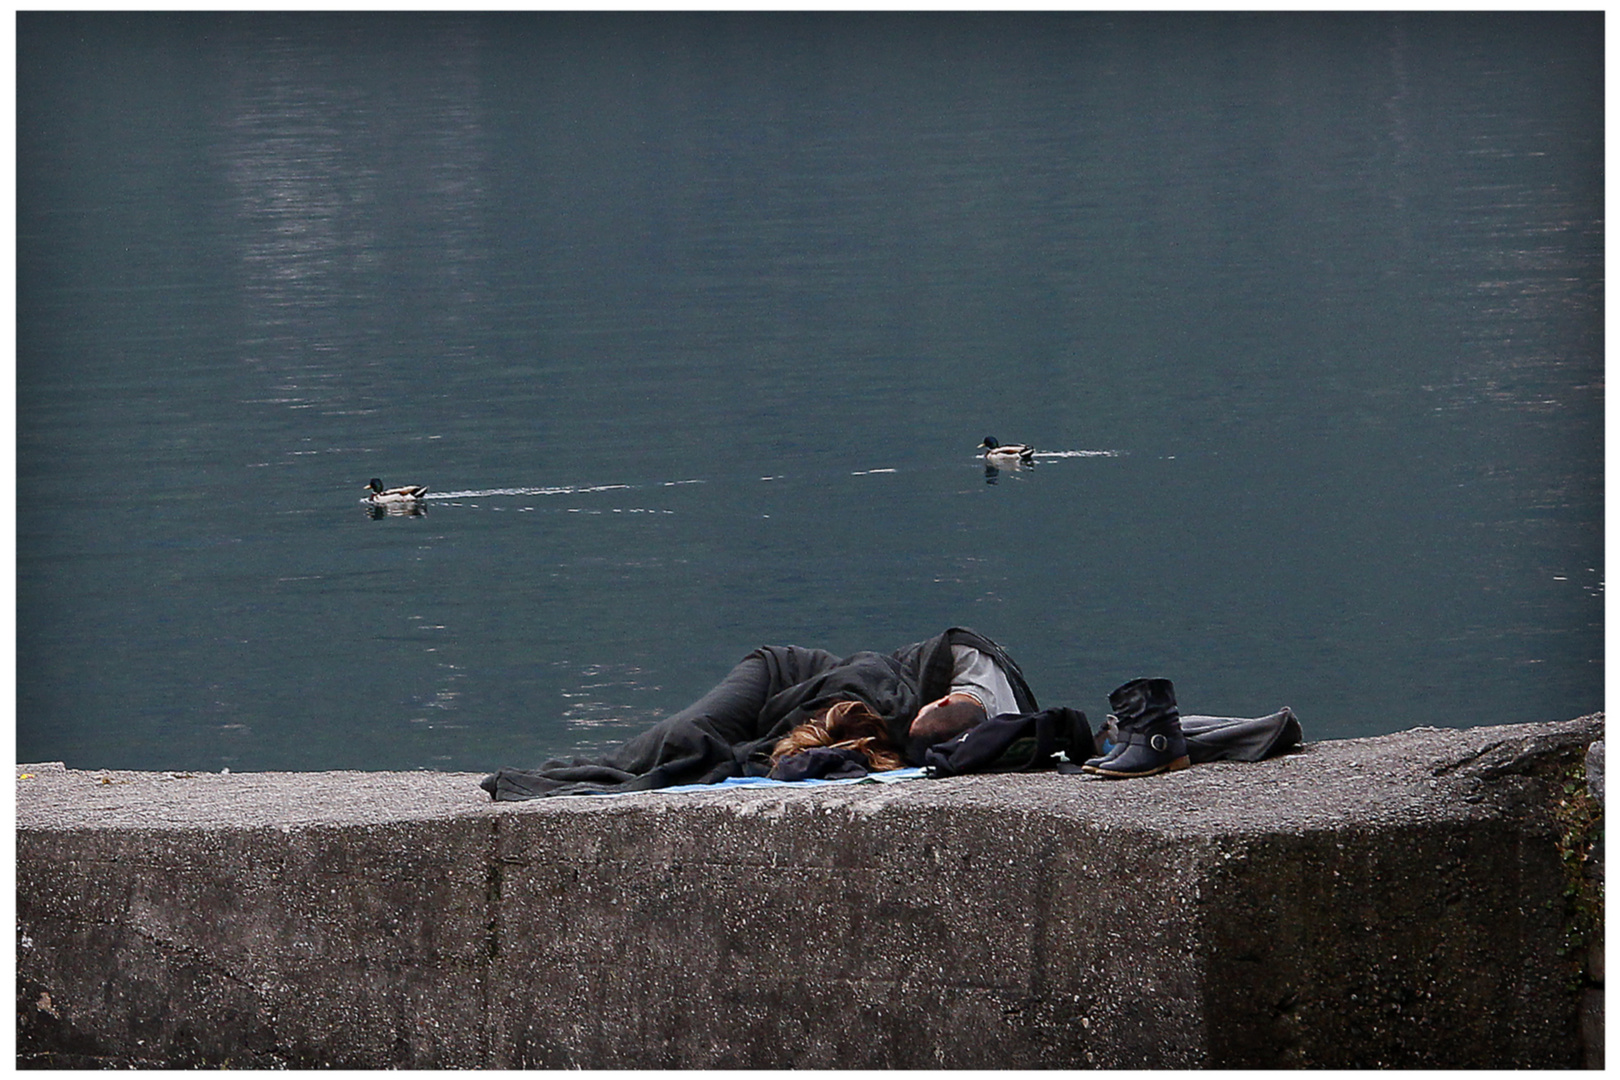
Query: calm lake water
point(692, 324)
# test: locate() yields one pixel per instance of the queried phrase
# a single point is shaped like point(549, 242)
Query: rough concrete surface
point(1394, 901)
point(1592, 1025)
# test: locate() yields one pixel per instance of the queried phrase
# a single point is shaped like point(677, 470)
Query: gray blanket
point(1231, 738)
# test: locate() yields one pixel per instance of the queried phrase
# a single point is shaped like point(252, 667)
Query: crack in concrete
point(494, 875)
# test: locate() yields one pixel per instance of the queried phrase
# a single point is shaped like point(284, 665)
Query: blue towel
point(734, 782)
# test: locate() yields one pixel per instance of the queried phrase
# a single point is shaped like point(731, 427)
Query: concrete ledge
point(1395, 901)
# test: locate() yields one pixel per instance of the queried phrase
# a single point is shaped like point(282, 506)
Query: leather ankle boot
point(1149, 729)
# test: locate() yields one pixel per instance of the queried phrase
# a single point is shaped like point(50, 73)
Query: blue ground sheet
point(732, 783)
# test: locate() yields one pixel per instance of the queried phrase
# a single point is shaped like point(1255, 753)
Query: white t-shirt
point(976, 674)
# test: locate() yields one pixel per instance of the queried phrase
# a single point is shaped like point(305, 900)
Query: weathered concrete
point(1592, 1026)
point(1381, 902)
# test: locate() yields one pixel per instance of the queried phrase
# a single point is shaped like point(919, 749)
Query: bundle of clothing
point(733, 730)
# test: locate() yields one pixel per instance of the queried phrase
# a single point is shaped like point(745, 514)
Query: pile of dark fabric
point(1013, 742)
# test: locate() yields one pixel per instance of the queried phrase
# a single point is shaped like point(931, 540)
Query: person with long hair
point(851, 728)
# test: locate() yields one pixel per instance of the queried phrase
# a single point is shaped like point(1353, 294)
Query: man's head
point(946, 718)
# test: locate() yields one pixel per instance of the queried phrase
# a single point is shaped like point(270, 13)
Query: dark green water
point(692, 324)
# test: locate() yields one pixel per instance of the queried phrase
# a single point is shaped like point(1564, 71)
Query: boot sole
point(1175, 766)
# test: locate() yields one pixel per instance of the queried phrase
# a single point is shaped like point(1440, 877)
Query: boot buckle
point(1159, 743)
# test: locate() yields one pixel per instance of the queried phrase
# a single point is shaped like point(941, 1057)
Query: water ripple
point(492, 492)
point(1076, 453)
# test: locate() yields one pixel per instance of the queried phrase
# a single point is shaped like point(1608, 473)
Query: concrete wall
point(1395, 901)
point(1592, 1028)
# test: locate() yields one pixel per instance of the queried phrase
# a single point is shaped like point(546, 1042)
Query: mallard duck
point(379, 497)
point(1012, 452)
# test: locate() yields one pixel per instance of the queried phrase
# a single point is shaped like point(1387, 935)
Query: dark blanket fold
point(822, 763)
point(1011, 742)
point(1233, 738)
point(730, 730)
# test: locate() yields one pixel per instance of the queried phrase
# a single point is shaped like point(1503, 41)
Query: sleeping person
point(954, 703)
point(878, 711)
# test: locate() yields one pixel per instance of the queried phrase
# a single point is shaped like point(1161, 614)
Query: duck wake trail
point(565, 489)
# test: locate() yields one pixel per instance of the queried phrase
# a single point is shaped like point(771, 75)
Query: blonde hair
point(844, 725)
